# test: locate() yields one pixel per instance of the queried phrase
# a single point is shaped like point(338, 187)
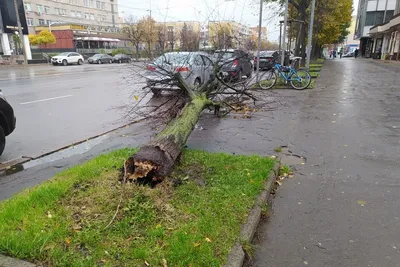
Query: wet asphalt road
point(343, 206)
point(56, 106)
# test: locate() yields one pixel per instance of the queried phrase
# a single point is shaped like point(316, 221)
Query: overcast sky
point(243, 11)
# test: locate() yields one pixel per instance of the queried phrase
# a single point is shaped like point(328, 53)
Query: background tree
point(331, 17)
point(134, 32)
point(222, 36)
point(161, 37)
point(150, 35)
point(42, 38)
point(190, 39)
point(17, 42)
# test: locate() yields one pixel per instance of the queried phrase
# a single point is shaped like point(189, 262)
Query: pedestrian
point(334, 53)
point(355, 53)
point(340, 53)
point(330, 53)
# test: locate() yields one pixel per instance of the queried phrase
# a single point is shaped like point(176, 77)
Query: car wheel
point(2, 140)
point(54, 64)
point(120, 61)
point(80, 62)
point(65, 62)
point(110, 61)
point(197, 83)
point(156, 92)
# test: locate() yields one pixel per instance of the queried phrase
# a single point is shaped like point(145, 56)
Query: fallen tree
point(155, 160)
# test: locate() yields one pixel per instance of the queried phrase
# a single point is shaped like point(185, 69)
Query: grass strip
point(191, 219)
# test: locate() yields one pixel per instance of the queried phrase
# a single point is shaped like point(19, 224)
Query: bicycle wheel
point(267, 80)
point(300, 80)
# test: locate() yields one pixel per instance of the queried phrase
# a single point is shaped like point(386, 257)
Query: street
point(56, 106)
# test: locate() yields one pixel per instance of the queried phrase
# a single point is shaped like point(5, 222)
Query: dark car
point(121, 58)
point(100, 58)
point(234, 64)
point(7, 121)
point(267, 59)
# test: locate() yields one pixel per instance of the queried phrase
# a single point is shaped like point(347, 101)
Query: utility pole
point(259, 41)
point(310, 34)
point(284, 32)
point(21, 35)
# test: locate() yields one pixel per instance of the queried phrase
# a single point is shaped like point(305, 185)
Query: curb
point(6, 261)
point(237, 254)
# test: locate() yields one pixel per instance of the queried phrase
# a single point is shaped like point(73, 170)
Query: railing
point(94, 50)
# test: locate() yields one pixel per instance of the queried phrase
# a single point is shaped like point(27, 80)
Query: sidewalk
point(343, 206)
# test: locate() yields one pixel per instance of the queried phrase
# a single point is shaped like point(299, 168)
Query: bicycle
point(299, 79)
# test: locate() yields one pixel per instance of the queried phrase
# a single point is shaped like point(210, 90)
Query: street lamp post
point(52, 23)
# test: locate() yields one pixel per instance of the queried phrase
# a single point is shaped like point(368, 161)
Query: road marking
point(46, 99)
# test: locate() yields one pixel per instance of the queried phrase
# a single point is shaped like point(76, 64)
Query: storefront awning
point(96, 39)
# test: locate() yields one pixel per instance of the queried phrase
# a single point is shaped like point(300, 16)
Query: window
point(86, 3)
point(91, 3)
point(374, 17)
point(72, 2)
point(29, 21)
point(389, 15)
point(57, 11)
point(103, 5)
point(46, 9)
point(78, 14)
point(39, 8)
point(86, 15)
point(98, 4)
point(48, 22)
point(27, 7)
point(73, 13)
point(42, 22)
point(92, 16)
point(63, 11)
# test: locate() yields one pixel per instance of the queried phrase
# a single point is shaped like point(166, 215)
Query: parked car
point(7, 121)
point(100, 58)
point(234, 63)
point(121, 58)
point(195, 67)
point(349, 54)
point(267, 59)
point(67, 58)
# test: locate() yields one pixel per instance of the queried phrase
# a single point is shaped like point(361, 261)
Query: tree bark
point(156, 159)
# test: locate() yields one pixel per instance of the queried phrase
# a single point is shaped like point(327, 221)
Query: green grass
point(191, 219)
point(278, 149)
point(284, 169)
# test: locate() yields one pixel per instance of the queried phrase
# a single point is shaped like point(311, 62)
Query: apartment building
point(228, 34)
point(102, 15)
point(371, 13)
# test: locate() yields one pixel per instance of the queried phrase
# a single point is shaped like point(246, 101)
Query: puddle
point(63, 153)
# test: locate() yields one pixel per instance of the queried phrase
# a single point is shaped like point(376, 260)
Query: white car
point(67, 58)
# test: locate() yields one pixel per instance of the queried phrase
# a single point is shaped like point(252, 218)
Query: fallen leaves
point(136, 97)
point(361, 202)
point(208, 240)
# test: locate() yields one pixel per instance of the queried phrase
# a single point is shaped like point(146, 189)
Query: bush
point(120, 51)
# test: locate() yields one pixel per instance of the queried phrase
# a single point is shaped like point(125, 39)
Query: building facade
point(100, 15)
point(386, 38)
point(371, 13)
point(10, 41)
point(228, 34)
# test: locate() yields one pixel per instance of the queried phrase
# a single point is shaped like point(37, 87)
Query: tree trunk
point(137, 52)
point(156, 159)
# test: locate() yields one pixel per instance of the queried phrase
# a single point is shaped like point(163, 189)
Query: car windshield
point(119, 55)
point(63, 54)
point(97, 55)
point(224, 55)
point(172, 59)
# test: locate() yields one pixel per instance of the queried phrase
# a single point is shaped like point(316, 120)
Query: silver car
point(195, 67)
